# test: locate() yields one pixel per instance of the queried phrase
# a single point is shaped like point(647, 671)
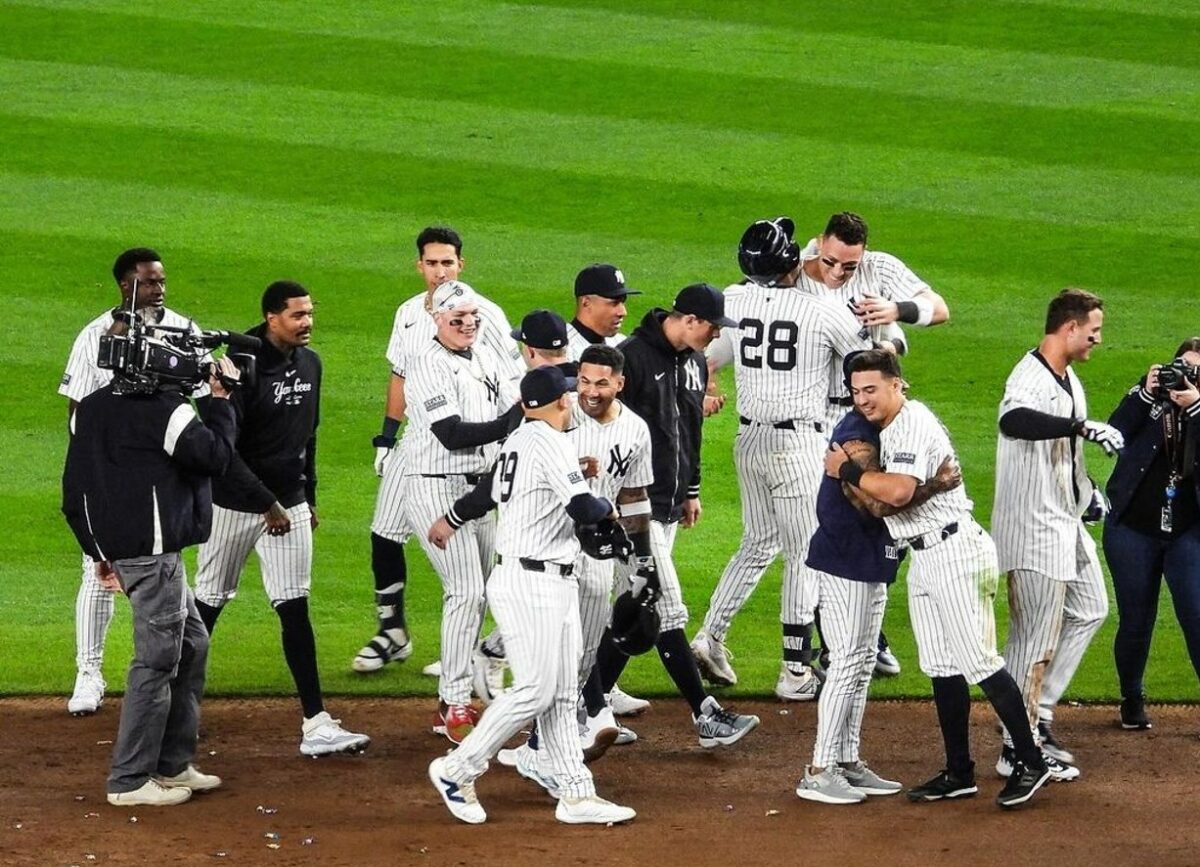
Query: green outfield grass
point(1003, 150)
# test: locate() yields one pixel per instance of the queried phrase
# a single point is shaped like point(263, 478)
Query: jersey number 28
point(781, 340)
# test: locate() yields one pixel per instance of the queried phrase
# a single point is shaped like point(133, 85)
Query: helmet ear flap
point(768, 250)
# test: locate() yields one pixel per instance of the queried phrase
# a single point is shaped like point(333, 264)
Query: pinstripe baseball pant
point(851, 614)
point(1051, 623)
point(463, 568)
point(951, 598)
point(94, 608)
point(596, 581)
point(389, 520)
point(286, 561)
point(538, 617)
point(779, 472)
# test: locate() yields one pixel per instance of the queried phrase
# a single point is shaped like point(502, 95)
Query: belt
point(542, 566)
point(928, 540)
point(471, 478)
point(786, 424)
point(841, 401)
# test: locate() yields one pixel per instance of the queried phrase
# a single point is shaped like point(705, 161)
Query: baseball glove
point(604, 541)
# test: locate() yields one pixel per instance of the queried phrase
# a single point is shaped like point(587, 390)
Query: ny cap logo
point(620, 277)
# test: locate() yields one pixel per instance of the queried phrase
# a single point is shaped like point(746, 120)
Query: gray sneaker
point(865, 780)
point(828, 787)
point(719, 727)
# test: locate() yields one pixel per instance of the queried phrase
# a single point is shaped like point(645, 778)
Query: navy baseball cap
point(607, 281)
point(544, 385)
point(704, 301)
point(542, 329)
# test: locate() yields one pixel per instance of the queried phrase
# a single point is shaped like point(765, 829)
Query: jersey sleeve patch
point(66, 380)
point(904, 458)
point(575, 477)
point(436, 402)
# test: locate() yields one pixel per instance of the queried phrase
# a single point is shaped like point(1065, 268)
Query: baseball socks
point(1004, 694)
point(952, 696)
point(677, 659)
point(208, 614)
point(797, 645)
point(300, 651)
point(391, 576)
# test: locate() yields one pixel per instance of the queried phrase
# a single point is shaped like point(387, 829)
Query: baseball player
point(540, 493)
point(781, 348)
point(140, 276)
point(665, 376)
point(266, 502)
point(461, 403)
point(439, 260)
point(1056, 594)
point(600, 294)
point(951, 583)
point(856, 560)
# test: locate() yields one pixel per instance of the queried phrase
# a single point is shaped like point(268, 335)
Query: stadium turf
point(1003, 150)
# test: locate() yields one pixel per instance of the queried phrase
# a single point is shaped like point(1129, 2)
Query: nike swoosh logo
point(658, 376)
point(409, 324)
point(289, 373)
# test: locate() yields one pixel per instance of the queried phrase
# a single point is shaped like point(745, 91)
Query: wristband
point(851, 473)
point(635, 508)
point(908, 311)
point(924, 310)
point(391, 426)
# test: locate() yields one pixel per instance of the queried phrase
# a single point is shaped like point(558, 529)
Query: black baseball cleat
point(1024, 782)
point(1051, 745)
point(945, 786)
point(1133, 714)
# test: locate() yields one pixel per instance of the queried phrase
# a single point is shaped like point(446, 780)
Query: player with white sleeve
point(951, 582)
point(140, 276)
point(781, 349)
point(540, 494)
point(1056, 594)
point(439, 260)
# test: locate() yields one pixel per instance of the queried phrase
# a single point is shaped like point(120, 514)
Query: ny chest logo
point(692, 371)
point(290, 393)
point(492, 384)
point(618, 463)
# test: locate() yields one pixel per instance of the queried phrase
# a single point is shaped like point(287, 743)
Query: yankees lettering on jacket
point(277, 424)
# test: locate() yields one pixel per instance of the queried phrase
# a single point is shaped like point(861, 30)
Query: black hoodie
point(277, 440)
point(666, 388)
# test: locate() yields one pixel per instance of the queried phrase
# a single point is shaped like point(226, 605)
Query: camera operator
point(1153, 528)
point(136, 492)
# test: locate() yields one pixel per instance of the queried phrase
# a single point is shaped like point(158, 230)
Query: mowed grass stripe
point(545, 155)
point(983, 73)
point(720, 100)
point(1141, 35)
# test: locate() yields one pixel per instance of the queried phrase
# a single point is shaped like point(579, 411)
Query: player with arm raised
point(951, 583)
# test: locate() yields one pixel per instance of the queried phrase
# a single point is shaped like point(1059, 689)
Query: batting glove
point(645, 577)
point(383, 448)
point(1104, 435)
point(1097, 508)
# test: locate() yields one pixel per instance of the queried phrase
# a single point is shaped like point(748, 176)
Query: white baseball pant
point(93, 613)
point(389, 520)
point(1051, 623)
point(779, 473)
point(951, 597)
point(851, 615)
point(285, 561)
point(595, 607)
point(463, 568)
point(538, 617)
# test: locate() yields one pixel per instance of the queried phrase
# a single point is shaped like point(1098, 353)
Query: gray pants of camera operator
point(160, 715)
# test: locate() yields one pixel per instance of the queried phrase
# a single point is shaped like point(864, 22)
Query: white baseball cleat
point(459, 798)
point(625, 736)
point(592, 810)
point(434, 669)
point(623, 704)
point(323, 735)
point(599, 733)
point(382, 649)
point(151, 794)
point(886, 663)
point(803, 685)
point(487, 674)
point(192, 778)
point(88, 694)
point(712, 658)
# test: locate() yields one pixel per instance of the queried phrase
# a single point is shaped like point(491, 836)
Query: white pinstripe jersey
point(576, 342)
point(441, 384)
point(83, 376)
point(622, 446)
point(783, 349)
point(413, 328)
point(1042, 486)
point(537, 474)
point(915, 444)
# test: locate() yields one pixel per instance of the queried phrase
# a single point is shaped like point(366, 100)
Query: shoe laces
point(724, 717)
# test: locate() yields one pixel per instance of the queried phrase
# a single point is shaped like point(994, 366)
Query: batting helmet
point(635, 622)
point(768, 250)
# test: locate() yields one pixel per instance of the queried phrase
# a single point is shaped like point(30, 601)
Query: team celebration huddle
point(544, 466)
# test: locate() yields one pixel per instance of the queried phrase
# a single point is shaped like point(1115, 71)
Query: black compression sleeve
point(454, 433)
point(1029, 424)
point(474, 504)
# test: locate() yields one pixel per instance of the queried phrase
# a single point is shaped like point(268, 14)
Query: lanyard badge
point(1165, 522)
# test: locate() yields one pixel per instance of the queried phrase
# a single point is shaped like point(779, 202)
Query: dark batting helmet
point(635, 621)
point(768, 250)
